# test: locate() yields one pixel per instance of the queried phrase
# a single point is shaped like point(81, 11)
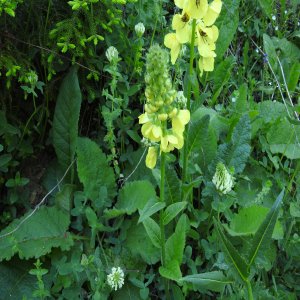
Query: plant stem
point(249, 289)
point(162, 228)
point(189, 92)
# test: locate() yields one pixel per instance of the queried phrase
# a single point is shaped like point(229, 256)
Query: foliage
point(77, 200)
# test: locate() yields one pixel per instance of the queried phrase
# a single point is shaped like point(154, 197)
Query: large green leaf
point(283, 137)
point(37, 235)
point(151, 207)
point(171, 270)
point(66, 116)
point(214, 281)
point(93, 171)
point(172, 184)
point(236, 153)
point(237, 262)
point(227, 23)
point(248, 220)
point(15, 281)
point(135, 195)
point(264, 233)
point(139, 244)
point(270, 50)
point(201, 142)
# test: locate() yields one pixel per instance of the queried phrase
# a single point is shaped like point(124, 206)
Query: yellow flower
point(206, 64)
point(172, 43)
point(168, 142)
point(144, 118)
point(151, 157)
point(152, 132)
point(180, 23)
point(180, 120)
point(196, 8)
point(213, 12)
point(206, 38)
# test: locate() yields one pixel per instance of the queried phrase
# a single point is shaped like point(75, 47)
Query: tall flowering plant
point(164, 119)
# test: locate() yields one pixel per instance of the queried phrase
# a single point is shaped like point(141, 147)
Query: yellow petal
point(212, 12)
point(151, 157)
point(208, 64)
point(179, 3)
point(172, 43)
point(184, 34)
point(164, 144)
point(177, 22)
point(196, 8)
point(157, 132)
point(143, 118)
point(184, 116)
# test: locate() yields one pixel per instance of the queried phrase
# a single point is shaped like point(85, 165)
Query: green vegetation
point(149, 149)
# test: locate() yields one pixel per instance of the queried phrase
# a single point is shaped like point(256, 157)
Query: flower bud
point(162, 117)
point(139, 29)
point(112, 54)
point(222, 179)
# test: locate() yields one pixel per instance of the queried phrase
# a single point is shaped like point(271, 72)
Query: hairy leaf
point(45, 229)
point(66, 116)
point(94, 171)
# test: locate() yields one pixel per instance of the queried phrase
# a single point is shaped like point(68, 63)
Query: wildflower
point(161, 109)
point(206, 33)
point(276, 28)
point(273, 17)
point(116, 278)
point(112, 54)
point(233, 99)
point(222, 179)
point(139, 29)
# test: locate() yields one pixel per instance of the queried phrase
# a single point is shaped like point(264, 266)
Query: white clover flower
point(222, 179)
point(276, 28)
point(139, 29)
point(112, 54)
point(233, 99)
point(285, 11)
point(273, 17)
point(181, 99)
point(116, 278)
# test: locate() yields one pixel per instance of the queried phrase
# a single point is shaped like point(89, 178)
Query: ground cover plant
point(149, 149)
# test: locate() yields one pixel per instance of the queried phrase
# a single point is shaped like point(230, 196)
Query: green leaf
point(293, 77)
point(15, 281)
point(241, 102)
point(283, 138)
point(235, 154)
point(66, 116)
point(172, 211)
point(263, 235)
point(150, 208)
point(248, 220)
point(267, 7)
point(176, 242)
point(270, 51)
point(94, 171)
point(233, 257)
point(63, 197)
point(171, 270)
point(139, 244)
point(153, 232)
point(222, 75)
point(135, 195)
point(45, 229)
point(172, 184)
point(214, 281)
point(227, 23)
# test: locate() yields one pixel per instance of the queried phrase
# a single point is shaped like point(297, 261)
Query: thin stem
point(249, 289)
point(189, 92)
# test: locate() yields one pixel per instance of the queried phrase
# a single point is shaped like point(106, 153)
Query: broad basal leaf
point(45, 229)
point(264, 233)
point(93, 171)
point(66, 116)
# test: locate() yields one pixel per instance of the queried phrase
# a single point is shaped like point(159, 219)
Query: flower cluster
point(116, 278)
point(206, 33)
point(160, 108)
point(222, 179)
